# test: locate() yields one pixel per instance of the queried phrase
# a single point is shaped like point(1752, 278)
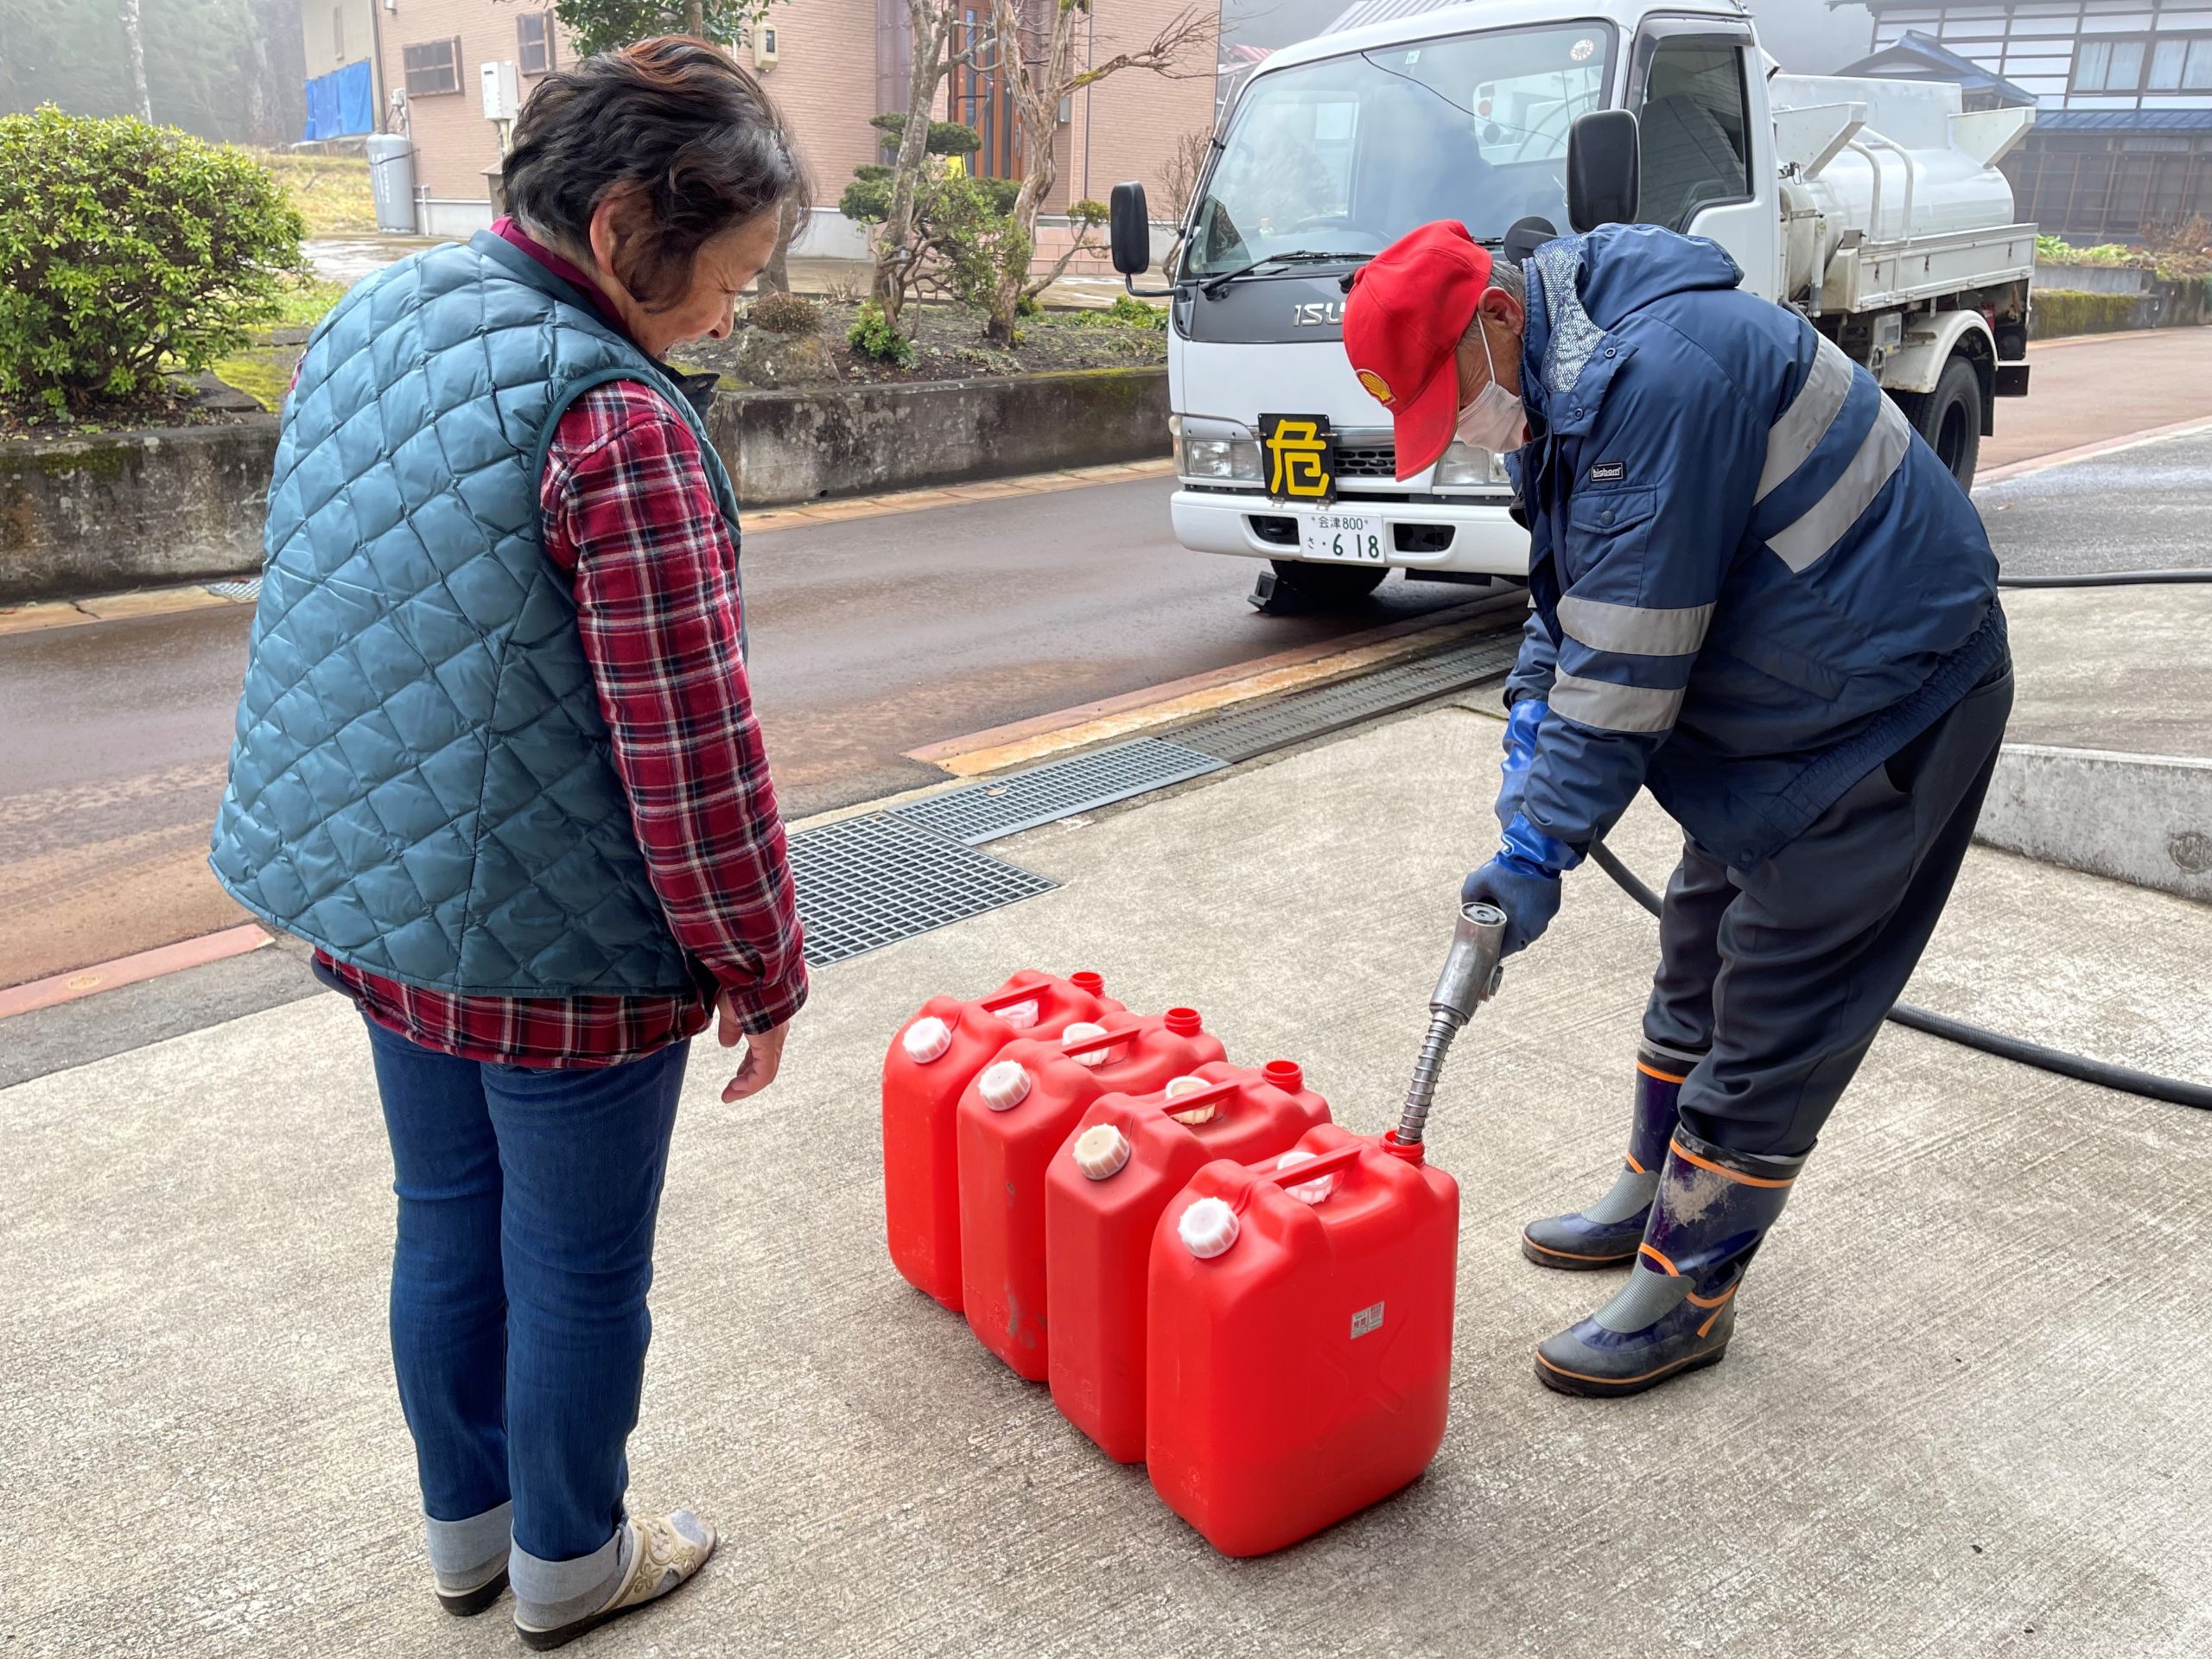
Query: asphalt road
point(870, 637)
point(874, 637)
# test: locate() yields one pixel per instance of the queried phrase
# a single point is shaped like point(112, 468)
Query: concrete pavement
point(1962, 1414)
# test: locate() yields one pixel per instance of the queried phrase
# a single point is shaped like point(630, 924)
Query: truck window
point(1347, 154)
point(1695, 131)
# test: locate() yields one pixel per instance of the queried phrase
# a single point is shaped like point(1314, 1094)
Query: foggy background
point(1808, 37)
point(233, 69)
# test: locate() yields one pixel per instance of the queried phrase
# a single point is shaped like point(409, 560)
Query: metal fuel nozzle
point(1470, 976)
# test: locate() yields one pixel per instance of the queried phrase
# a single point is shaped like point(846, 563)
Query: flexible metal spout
point(1471, 975)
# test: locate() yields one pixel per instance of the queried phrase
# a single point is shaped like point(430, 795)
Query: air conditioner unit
point(764, 47)
point(502, 90)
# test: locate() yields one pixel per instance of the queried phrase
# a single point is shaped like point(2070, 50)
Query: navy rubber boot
point(1606, 1234)
point(1678, 1309)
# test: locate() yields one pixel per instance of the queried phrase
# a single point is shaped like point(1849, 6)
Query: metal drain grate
point(1022, 800)
point(245, 588)
point(872, 881)
point(1312, 714)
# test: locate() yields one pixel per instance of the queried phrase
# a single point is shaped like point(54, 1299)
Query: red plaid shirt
point(629, 513)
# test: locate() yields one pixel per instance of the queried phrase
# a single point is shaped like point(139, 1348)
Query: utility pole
point(141, 105)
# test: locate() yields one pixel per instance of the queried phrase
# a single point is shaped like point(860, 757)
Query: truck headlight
point(1234, 460)
point(1465, 467)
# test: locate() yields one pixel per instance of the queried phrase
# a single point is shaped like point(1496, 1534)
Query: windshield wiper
point(1211, 286)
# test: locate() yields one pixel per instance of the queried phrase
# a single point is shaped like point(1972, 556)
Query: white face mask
point(1495, 420)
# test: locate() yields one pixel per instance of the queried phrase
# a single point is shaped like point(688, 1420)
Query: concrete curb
point(2143, 819)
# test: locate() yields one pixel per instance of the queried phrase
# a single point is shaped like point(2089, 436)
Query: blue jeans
point(527, 1200)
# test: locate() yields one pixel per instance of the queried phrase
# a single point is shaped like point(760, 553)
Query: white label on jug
point(1367, 1319)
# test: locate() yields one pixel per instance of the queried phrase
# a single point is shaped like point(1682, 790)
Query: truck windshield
point(1349, 154)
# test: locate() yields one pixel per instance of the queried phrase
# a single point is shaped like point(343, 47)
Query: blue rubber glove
point(1523, 880)
point(1521, 723)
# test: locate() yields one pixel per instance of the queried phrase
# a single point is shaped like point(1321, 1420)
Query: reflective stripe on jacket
point(1753, 580)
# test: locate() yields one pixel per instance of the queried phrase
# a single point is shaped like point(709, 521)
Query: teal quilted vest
point(421, 781)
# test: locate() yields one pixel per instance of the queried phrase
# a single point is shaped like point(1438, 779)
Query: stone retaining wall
point(131, 508)
point(789, 446)
point(138, 509)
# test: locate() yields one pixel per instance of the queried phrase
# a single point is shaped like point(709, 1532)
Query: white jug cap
point(1311, 1192)
point(1021, 1015)
point(1004, 1085)
point(1180, 1086)
point(1101, 1151)
point(1077, 1032)
point(1208, 1227)
point(925, 1039)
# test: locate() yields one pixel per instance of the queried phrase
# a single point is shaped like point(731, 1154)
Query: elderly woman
point(496, 761)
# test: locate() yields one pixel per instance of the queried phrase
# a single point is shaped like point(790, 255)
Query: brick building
point(831, 64)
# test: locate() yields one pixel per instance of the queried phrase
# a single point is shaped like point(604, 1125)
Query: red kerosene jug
point(1013, 1118)
point(1299, 1344)
point(1130, 1155)
point(935, 1056)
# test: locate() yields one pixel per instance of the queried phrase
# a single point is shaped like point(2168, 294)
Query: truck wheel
point(1950, 418)
point(1331, 587)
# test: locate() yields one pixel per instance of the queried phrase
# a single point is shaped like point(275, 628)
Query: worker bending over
point(1759, 594)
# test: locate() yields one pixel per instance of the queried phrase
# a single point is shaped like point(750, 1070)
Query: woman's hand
point(764, 1051)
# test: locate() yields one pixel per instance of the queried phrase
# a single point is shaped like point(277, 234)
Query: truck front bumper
point(1484, 540)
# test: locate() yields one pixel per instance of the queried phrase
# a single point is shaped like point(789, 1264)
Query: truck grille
point(1367, 460)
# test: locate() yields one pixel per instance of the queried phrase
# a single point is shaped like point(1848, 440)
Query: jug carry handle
point(1214, 1094)
point(1104, 1040)
point(998, 999)
point(1312, 1169)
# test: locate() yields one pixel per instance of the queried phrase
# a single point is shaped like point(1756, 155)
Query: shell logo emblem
point(1377, 387)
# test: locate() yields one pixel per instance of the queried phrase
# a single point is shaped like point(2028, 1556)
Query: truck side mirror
point(1130, 229)
point(1604, 169)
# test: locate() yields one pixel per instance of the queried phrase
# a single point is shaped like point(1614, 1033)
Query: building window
point(534, 42)
point(338, 33)
point(433, 67)
point(2164, 63)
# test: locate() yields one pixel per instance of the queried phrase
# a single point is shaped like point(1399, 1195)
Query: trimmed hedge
point(127, 250)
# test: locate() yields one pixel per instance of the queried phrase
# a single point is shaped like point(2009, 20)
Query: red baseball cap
point(1409, 306)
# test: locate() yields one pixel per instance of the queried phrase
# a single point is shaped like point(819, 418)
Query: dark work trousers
point(1779, 976)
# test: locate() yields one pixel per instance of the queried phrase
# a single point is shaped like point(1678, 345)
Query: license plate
point(1351, 537)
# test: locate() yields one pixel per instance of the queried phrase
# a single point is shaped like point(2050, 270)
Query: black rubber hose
point(2083, 1070)
point(2110, 579)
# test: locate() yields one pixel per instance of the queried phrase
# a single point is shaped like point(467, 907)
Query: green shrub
point(946, 137)
point(1126, 312)
point(125, 249)
point(872, 336)
point(786, 314)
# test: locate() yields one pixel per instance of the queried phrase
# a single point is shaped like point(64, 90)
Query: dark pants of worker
point(1780, 976)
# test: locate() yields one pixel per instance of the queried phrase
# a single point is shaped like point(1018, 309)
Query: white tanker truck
point(1874, 207)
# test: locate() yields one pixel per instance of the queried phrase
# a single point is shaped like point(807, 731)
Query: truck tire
point(1950, 418)
point(1330, 587)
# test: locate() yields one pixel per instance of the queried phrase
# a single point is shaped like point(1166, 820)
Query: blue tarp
point(341, 103)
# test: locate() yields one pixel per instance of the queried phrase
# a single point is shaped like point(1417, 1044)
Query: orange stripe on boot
point(1688, 1157)
point(1716, 1306)
point(1663, 1076)
point(1672, 1271)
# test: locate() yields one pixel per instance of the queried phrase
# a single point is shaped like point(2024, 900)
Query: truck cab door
point(1700, 97)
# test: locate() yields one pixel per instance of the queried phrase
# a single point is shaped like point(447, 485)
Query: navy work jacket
point(1753, 580)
